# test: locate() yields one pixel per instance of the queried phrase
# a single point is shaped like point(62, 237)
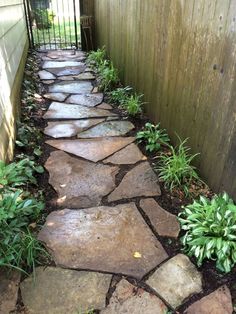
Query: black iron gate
point(53, 24)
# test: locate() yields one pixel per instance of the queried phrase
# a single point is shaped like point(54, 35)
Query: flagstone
point(128, 155)
point(94, 149)
point(110, 239)
point(56, 96)
point(45, 75)
point(72, 54)
point(176, 280)
point(85, 76)
point(140, 181)
point(68, 71)
point(111, 128)
point(71, 87)
point(66, 78)
point(105, 106)
point(89, 100)
point(60, 64)
point(130, 299)
point(55, 291)
point(164, 223)
point(48, 82)
point(69, 128)
point(59, 110)
point(79, 183)
point(9, 286)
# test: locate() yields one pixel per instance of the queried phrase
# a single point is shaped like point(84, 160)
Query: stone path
point(100, 236)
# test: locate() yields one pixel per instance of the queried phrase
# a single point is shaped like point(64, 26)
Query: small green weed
point(97, 57)
point(176, 170)
point(119, 95)
point(108, 76)
point(27, 135)
point(210, 227)
point(133, 104)
point(153, 136)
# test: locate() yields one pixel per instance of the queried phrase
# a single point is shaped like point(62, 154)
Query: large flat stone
point(45, 75)
point(69, 128)
point(164, 223)
point(71, 87)
point(89, 100)
point(130, 299)
point(105, 106)
point(128, 155)
point(61, 64)
point(110, 239)
point(56, 96)
point(59, 110)
point(111, 128)
point(176, 280)
point(85, 76)
point(94, 149)
point(57, 291)
point(68, 71)
point(65, 55)
point(79, 183)
point(9, 285)
point(218, 302)
point(140, 181)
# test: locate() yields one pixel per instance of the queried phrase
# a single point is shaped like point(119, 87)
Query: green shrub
point(176, 170)
point(119, 95)
point(133, 104)
point(108, 76)
point(97, 57)
point(153, 137)
point(210, 227)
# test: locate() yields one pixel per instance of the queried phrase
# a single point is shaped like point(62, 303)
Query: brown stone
point(110, 239)
point(79, 183)
point(89, 100)
point(57, 291)
point(56, 96)
point(74, 87)
point(140, 181)
point(128, 155)
point(48, 82)
point(9, 285)
point(85, 76)
point(164, 223)
point(105, 106)
point(218, 302)
point(93, 149)
point(130, 299)
point(66, 78)
point(61, 64)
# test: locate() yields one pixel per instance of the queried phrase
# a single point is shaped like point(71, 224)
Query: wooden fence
point(181, 54)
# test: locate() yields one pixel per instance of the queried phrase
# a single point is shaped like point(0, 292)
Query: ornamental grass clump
point(210, 227)
point(107, 76)
point(97, 57)
point(133, 104)
point(119, 95)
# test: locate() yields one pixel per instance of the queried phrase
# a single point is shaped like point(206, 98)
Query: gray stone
point(45, 75)
point(56, 96)
point(68, 71)
point(66, 78)
point(56, 291)
point(9, 285)
point(112, 128)
point(128, 155)
point(94, 149)
point(164, 223)
point(140, 181)
point(105, 106)
point(89, 100)
point(65, 54)
point(130, 299)
point(48, 82)
point(176, 280)
point(59, 110)
point(110, 239)
point(79, 183)
point(218, 302)
point(69, 128)
point(71, 87)
point(61, 64)
point(85, 76)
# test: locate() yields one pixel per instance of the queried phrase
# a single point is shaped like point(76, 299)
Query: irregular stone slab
point(140, 181)
point(45, 75)
point(56, 96)
point(89, 100)
point(69, 54)
point(9, 285)
point(176, 280)
point(66, 78)
point(85, 76)
point(103, 238)
point(67, 71)
point(111, 128)
point(71, 87)
point(218, 302)
point(60, 64)
point(130, 299)
point(128, 155)
point(79, 183)
point(69, 128)
point(48, 82)
point(105, 106)
point(57, 291)
point(59, 110)
point(164, 223)
point(94, 149)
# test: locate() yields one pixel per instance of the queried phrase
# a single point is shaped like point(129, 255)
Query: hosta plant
point(133, 104)
point(153, 136)
point(210, 227)
point(119, 96)
point(97, 57)
point(176, 170)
